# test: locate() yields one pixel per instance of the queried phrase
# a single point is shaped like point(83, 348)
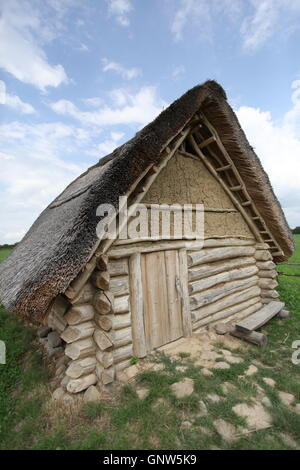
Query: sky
point(78, 79)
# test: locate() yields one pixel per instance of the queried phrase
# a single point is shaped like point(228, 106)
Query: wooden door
point(162, 303)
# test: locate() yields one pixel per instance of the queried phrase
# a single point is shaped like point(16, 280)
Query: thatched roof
point(59, 243)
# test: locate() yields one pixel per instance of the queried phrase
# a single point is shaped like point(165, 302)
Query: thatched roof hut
point(63, 239)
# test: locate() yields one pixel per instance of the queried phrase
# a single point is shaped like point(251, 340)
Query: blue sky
point(80, 78)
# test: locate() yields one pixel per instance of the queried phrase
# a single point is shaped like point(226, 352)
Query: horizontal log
point(264, 265)
point(108, 376)
point(231, 275)
point(284, 314)
point(76, 332)
point(268, 273)
point(122, 337)
point(262, 246)
point(247, 307)
point(271, 294)
point(105, 358)
point(121, 366)
point(217, 293)
point(217, 254)
point(253, 337)
point(247, 312)
point(78, 283)
point(118, 267)
point(56, 312)
point(103, 302)
point(260, 318)
point(78, 385)
point(102, 340)
point(262, 255)
point(123, 353)
point(79, 314)
point(81, 367)
point(215, 242)
point(226, 302)
point(119, 285)
point(205, 270)
point(102, 262)
point(121, 304)
point(121, 321)
point(105, 322)
point(80, 349)
point(100, 279)
point(85, 295)
point(266, 283)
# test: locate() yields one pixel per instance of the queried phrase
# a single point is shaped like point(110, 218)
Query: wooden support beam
point(185, 299)
point(253, 337)
point(226, 189)
point(137, 306)
point(260, 318)
point(206, 142)
point(236, 188)
point(224, 168)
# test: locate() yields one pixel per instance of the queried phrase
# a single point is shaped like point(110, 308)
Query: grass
point(31, 420)
point(4, 252)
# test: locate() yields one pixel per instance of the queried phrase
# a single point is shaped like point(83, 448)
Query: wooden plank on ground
point(261, 317)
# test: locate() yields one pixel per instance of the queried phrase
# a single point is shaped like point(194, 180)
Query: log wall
point(228, 280)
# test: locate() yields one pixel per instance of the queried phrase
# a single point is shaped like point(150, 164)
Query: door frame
point(137, 300)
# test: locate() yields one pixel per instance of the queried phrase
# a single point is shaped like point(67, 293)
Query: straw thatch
point(59, 243)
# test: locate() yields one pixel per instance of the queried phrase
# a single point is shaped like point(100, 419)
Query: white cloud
point(256, 21)
point(120, 10)
point(22, 30)
point(278, 147)
point(269, 18)
point(127, 108)
point(178, 71)
point(13, 101)
point(94, 102)
point(200, 13)
point(127, 73)
point(37, 163)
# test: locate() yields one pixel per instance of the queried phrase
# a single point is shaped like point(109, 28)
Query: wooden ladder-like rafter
point(237, 191)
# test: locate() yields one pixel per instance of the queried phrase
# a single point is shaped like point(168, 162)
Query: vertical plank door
point(161, 298)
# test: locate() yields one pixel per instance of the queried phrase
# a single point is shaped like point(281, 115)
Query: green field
point(4, 252)
point(29, 419)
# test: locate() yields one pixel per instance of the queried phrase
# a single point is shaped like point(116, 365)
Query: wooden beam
point(226, 189)
point(185, 299)
point(224, 168)
point(260, 318)
point(206, 142)
point(137, 306)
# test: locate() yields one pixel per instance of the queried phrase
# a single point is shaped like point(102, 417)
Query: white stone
point(226, 430)
point(58, 393)
point(213, 397)
point(234, 359)
point(251, 370)
point(142, 392)
point(202, 409)
point(92, 394)
point(206, 372)
point(183, 388)
point(266, 402)
point(221, 365)
point(286, 398)
point(256, 416)
point(269, 381)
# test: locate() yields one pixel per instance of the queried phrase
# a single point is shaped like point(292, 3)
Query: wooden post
point(186, 313)
point(137, 308)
